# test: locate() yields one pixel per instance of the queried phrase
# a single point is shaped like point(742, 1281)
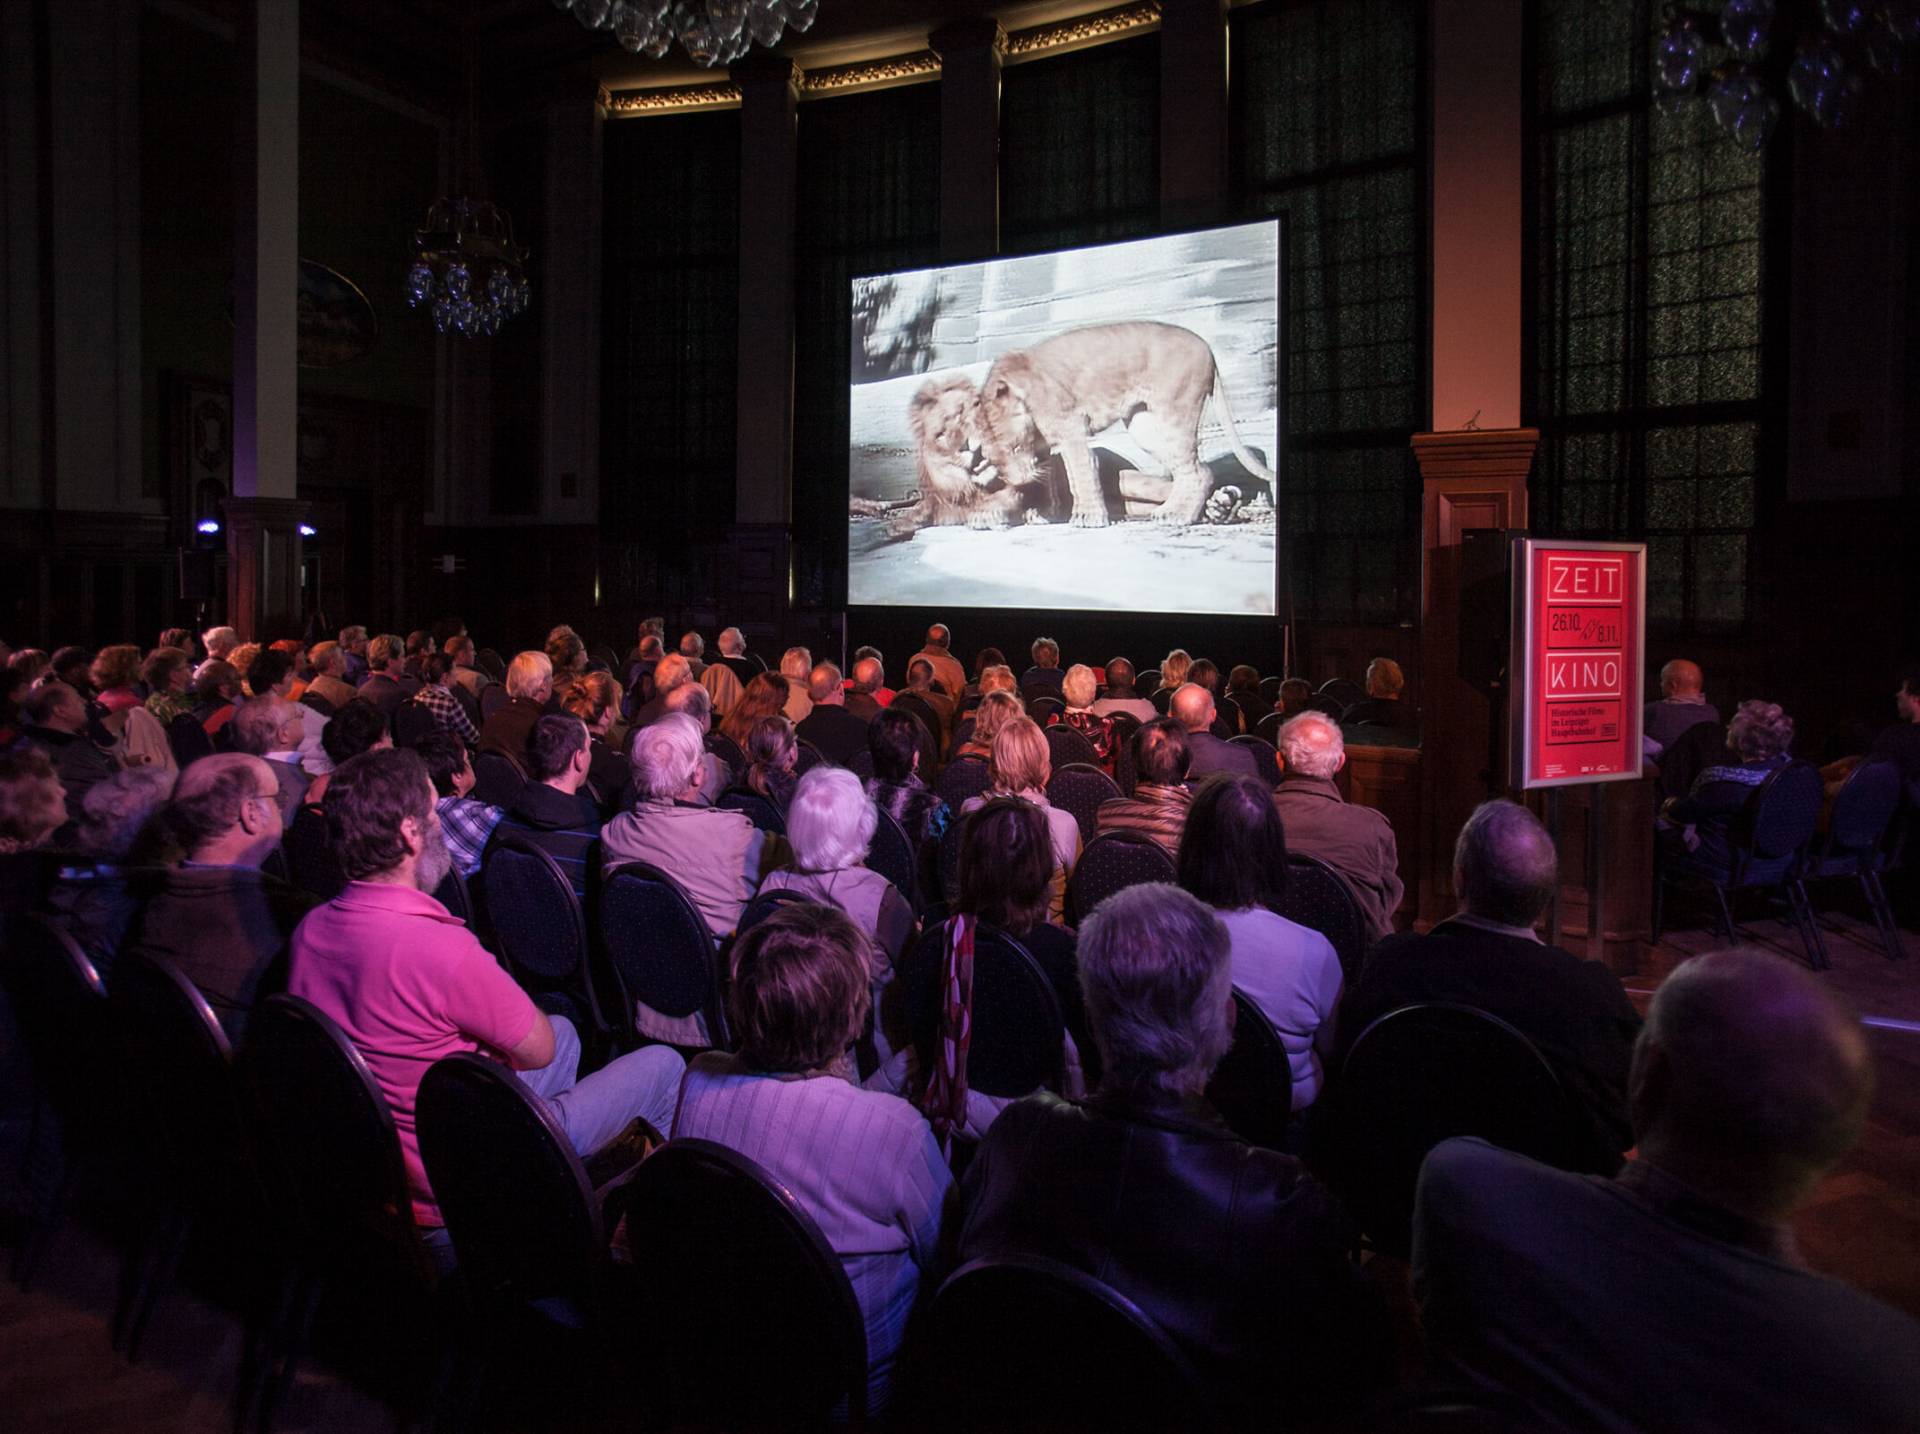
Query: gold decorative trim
point(871, 74)
point(1086, 30)
point(665, 101)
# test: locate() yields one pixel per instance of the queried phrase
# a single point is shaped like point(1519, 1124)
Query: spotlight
point(307, 530)
point(208, 526)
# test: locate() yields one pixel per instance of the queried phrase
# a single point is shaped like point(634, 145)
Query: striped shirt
point(448, 712)
point(466, 825)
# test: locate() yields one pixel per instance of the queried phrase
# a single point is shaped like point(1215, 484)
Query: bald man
point(220, 918)
point(1683, 704)
point(1193, 709)
point(938, 654)
point(1672, 1297)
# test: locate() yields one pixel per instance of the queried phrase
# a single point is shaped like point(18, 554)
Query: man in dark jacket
point(1233, 1251)
point(56, 722)
point(838, 734)
point(1355, 841)
point(529, 686)
point(551, 810)
point(388, 682)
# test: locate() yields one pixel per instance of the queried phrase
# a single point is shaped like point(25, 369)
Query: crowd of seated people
point(851, 1005)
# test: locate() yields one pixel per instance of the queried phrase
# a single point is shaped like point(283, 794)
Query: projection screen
point(1095, 429)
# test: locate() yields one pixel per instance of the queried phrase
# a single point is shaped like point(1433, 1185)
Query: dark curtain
point(1327, 110)
point(1647, 298)
point(515, 372)
point(1080, 147)
point(669, 322)
point(869, 201)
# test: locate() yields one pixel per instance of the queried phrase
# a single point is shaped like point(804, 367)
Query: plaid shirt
point(448, 712)
point(466, 824)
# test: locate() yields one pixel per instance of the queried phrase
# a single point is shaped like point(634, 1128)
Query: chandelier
point(467, 268)
point(712, 32)
point(1746, 56)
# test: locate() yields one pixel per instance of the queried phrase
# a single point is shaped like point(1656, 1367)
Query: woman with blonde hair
point(1021, 767)
point(723, 688)
point(595, 699)
point(762, 697)
point(772, 749)
point(995, 711)
point(1080, 688)
point(1173, 676)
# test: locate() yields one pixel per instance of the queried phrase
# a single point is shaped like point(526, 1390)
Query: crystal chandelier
point(467, 268)
point(1745, 56)
point(712, 32)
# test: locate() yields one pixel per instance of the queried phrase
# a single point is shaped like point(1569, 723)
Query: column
point(570, 314)
point(263, 515)
point(23, 467)
point(1193, 111)
point(971, 52)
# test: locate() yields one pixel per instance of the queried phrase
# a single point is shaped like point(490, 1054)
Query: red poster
point(1579, 649)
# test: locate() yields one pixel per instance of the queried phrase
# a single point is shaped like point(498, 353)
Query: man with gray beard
point(408, 982)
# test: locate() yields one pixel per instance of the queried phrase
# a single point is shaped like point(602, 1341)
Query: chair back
point(184, 1064)
point(1269, 728)
point(1319, 897)
point(412, 724)
point(1252, 1087)
point(60, 1005)
point(1014, 1339)
point(538, 925)
point(1264, 756)
point(188, 740)
point(1113, 861)
point(490, 662)
point(758, 809)
point(947, 859)
point(454, 894)
point(660, 948)
point(1863, 809)
point(764, 903)
point(962, 732)
point(726, 749)
point(492, 698)
point(765, 1330)
point(1018, 1032)
point(1423, 1073)
point(963, 777)
point(308, 846)
point(861, 765)
point(1779, 822)
point(514, 1195)
point(1067, 747)
point(1343, 690)
point(921, 709)
point(892, 854)
point(1080, 788)
point(335, 1161)
point(1270, 689)
point(496, 780)
point(807, 757)
point(1044, 707)
point(1147, 681)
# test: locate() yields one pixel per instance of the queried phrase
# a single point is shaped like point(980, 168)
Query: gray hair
point(823, 681)
point(691, 700)
point(1760, 729)
point(1080, 686)
point(796, 663)
point(830, 820)
point(223, 638)
point(673, 671)
point(530, 675)
point(1155, 972)
point(665, 755)
point(1504, 865)
point(731, 642)
point(1312, 745)
point(114, 812)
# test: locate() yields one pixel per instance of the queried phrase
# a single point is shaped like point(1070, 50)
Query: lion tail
point(1240, 450)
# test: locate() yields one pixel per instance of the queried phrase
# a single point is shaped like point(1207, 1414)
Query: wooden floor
point(57, 1372)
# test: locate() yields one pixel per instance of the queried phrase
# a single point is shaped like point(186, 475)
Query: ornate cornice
point(871, 74)
point(629, 103)
point(1087, 30)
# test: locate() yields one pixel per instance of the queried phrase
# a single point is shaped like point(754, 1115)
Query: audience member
point(72, 665)
point(1683, 704)
point(466, 824)
point(1207, 753)
point(838, 734)
point(29, 664)
point(329, 689)
point(734, 655)
point(437, 696)
point(830, 826)
point(1233, 856)
point(1382, 706)
point(388, 682)
point(689, 700)
point(985, 660)
point(1296, 696)
point(216, 691)
point(55, 721)
point(1355, 841)
point(1174, 668)
point(358, 727)
point(220, 643)
point(1234, 1252)
point(167, 675)
point(33, 805)
point(670, 672)
point(1673, 1296)
point(924, 690)
point(408, 985)
point(1079, 688)
point(468, 678)
point(882, 694)
point(1487, 955)
point(114, 672)
point(92, 898)
point(938, 656)
point(529, 686)
point(1243, 691)
point(353, 652)
point(271, 728)
point(1900, 743)
point(1702, 821)
point(868, 1172)
point(896, 786)
point(595, 700)
point(1160, 800)
point(1120, 696)
point(1021, 767)
point(1044, 678)
point(990, 718)
point(218, 916)
point(550, 810)
point(419, 644)
point(1226, 715)
point(640, 669)
point(867, 694)
point(764, 696)
point(771, 753)
point(796, 665)
point(693, 647)
point(722, 687)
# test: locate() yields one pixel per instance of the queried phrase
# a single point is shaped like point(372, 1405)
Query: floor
point(57, 1372)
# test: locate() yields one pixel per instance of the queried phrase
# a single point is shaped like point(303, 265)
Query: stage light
point(307, 530)
point(208, 525)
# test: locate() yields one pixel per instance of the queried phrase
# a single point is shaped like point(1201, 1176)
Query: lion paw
point(989, 521)
point(1223, 506)
point(1172, 515)
point(1090, 517)
point(1037, 518)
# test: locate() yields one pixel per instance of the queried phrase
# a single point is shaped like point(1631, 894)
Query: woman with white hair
point(1757, 741)
point(89, 898)
point(1081, 689)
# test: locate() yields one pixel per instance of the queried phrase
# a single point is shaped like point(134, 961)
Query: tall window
point(869, 200)
point(1647, 290)
point(1326, 120)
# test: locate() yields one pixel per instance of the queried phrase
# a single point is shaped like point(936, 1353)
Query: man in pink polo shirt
point(408, 983)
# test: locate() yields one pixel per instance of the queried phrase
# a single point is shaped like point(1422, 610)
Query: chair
point(862, 765)
point(1018, 1032)
point(1148, 681)
point(1423, 1073)
point(1319, 897)
point(1044, 708)
point(765, 903)
point(188, 740)
point(808, 756)
point(921, 709)
point(308, 847)
point(962, 733)
point(660, 951)
point(964, 777)
point(1080, 788)
point(759, 810)
point(726, 749)
point(497, 780)
point(1854, 843)
point(492, 698)
point(892, 854)
point(1252, 1087)
point(412, 724)
point(1066, 747)
point(1111, 862)
point(1161, 698)
point(1270, 689)
point(1025, 1342)
point(1270, 726)
point(540, 931)
point(1343, 690)
point(454, 894)
point(1264, 756)
point(490, 662)
point(947, 860)
point(1767, 843)
point(759, 1326)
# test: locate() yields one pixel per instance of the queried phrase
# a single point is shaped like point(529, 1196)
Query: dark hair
point(1160, 754)
point(417, 641)
point(354, 729)
point(367, 799)
point(988, 657)
point(799, 993)
point(555, 739)
point(434, 668)
point(893, 737)
point(1006, 861)
point(198, 817)
point(215, 673)
point(1115, 667)
point(1205, 674)
point(1243, 679)
point(446, 757)
point(1233, 852)
point(157, 671)
point(448, 627)
point(66, 658)
point(268, 669)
